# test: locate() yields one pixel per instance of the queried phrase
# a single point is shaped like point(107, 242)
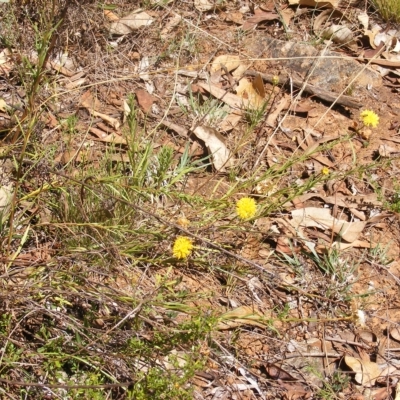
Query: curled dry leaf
point(131, 22)
point(6, 64)
point(247, 91)
point(107, 138)
point(6, 194)
point(338, 34)
point(395, 333)
point(215, 143)
point(366, 371)
point(363, 18)
point(322, 218)
point(229, 61)
point(145, 100)
point(259, 16)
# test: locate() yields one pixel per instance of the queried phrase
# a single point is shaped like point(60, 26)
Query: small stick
point(343, 100)
point(363, 346)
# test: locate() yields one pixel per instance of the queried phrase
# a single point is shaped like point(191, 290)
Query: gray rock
point(329, 70)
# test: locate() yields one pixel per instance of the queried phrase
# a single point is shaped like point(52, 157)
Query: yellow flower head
point(369, 118)
point(182, 247)
point(275, 80)
point(325, 171)
point(246, 208)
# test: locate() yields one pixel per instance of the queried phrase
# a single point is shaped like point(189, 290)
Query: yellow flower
point(275, 80)
point(325, 171)
point(182, 247)
point(246, 208)
point(369, 118)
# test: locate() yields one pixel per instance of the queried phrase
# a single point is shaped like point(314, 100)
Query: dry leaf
point(180, 130)
point(6, 194)
point(229, 98)
point(338, 34)
point(287, 14)
point(322, 218)
point(366, 371)
point(110, 15)
point(395, 334)
point(215, 143)
point(145, 100)
point(6, 64)
point(363, 19)
point(247, 91)
point(88, 101)
point(236, 17)
point(75, 84)
point(258, 85)
point(230, 121)
point(203, 5)
point(315, 3)
point(172, 23)
point(130, 23)
point(91, 104)
point(3, 105)
point(283, 104)
point(259, 16)
point(275, 372)
point(230, 63)
point(244, 315)
point(103, 137)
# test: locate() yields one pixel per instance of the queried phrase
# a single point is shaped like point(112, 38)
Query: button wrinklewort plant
point(182, 248)
point(246, 208)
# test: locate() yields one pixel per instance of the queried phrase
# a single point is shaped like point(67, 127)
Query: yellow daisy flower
point(369, 118)
point(182, 247)
point(246, 208)
point(325, 171)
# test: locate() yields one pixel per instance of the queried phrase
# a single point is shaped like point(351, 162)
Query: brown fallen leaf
point(283, 104)
point(366, 371)
point(276, 373)
point(228, 98)
point(236, 17)
point(110, 15)
point(145, 100)
point(321, 218)
point(180, 130)
point(215, 143)
point(259, 16)
point(230, 121)
point(103, 137)
point(172, 23)
point(203, 5)
point(287, 14)
point(315, 3)
point(130, 22)
point(295, 391)
point(247, 91)
point(89, 101)
point(230, 62)
point(91, 104)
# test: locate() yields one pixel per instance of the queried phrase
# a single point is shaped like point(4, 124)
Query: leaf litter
point(337, 213)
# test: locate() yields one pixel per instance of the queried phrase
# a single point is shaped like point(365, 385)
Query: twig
point(363, 346)
point(330, 97)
